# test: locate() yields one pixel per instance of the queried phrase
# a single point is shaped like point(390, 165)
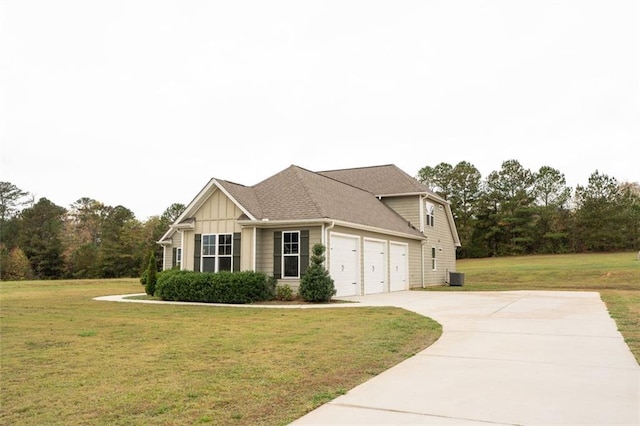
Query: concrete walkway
point(513, 358)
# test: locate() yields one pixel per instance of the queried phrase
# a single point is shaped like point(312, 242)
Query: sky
point(139, 103)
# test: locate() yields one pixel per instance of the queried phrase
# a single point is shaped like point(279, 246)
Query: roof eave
point(310, 222)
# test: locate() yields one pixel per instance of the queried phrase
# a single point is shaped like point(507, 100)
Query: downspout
point(325, 236)
point(254, 248)
point(422, 244)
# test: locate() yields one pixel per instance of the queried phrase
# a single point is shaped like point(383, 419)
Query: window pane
point(224, 264)
point(290, 242)
point(291, 266)
point(208, 245)
point(224, 244)
point(209, 264)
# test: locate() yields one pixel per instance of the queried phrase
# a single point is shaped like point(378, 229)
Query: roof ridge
point(357, 168)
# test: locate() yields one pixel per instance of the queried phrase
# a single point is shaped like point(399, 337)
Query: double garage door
point(367, 266)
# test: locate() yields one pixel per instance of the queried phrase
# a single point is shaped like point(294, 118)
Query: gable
point(217, 214)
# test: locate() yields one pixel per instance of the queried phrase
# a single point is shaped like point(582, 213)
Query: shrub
point(143, 277)
point(284, 292)
point(151, 278)
point(220, 287)
point(316, 285)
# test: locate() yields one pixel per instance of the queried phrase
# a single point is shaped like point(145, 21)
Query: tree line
point(41, 240)
point(512, 211)
point(515, 211)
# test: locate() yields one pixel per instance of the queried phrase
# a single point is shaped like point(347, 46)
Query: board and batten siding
point(217, 215)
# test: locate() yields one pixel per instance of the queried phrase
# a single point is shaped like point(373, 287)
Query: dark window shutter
point(277, 254)
point(236, 251)
point(304, 251)
point(196, 253)
point(173, 260)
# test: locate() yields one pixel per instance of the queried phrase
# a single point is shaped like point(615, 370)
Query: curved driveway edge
point(516, 358)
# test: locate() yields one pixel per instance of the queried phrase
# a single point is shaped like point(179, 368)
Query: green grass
point(69, 360)
point(616, 276)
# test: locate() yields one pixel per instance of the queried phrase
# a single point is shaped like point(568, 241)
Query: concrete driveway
point(516, 358)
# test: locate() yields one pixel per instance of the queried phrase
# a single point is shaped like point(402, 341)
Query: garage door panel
point(375, 273)
point(343, 261)
point(399, 265)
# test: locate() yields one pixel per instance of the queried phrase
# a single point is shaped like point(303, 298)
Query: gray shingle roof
point(297, 193)
point(379, 180)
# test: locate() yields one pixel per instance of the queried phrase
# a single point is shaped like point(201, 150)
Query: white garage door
point(375, 273)
point(398, 262)
point(343, 261)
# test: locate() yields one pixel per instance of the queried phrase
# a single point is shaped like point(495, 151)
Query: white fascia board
point(166, 236)
point(452, 225)
point(195, 204)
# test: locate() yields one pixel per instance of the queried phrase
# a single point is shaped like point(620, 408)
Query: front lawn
point(69, 360)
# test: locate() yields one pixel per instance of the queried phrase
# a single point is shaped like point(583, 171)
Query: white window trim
point(216, 256)
point(434, 259)
point(178, 258)
point(430, 213)
point(297, 255)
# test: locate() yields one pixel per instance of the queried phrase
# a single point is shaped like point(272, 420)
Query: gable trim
point(198, 201)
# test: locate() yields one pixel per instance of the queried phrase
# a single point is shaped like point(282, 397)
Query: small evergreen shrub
point(143, 277)
point(284, 292)
point(151, 278)
point(316, 285)
point(220, 287)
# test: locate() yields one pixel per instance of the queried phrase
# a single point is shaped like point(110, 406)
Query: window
point(178, 259)
point(217, 252)
point(225, 242)
point(291, 254)
point(430, 210)
point(433, 258)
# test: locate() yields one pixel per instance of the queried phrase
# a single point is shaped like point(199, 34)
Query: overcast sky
point(140, 103)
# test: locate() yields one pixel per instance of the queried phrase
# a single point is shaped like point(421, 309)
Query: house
point(383, 230)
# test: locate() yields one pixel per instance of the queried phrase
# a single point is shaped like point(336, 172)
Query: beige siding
point(264, 260)
point(188, 249)
point(167, 257)
point(408, 207)
point(176, 242)
point(246, 251)
point(217, 215)
point(440, 237)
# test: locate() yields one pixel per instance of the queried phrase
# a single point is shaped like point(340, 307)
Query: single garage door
point(375, 272)
point(399, 264)
point(343, 260)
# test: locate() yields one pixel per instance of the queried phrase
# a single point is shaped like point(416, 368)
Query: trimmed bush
point(284, 292)
point(220, 287)
point(316, 285)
